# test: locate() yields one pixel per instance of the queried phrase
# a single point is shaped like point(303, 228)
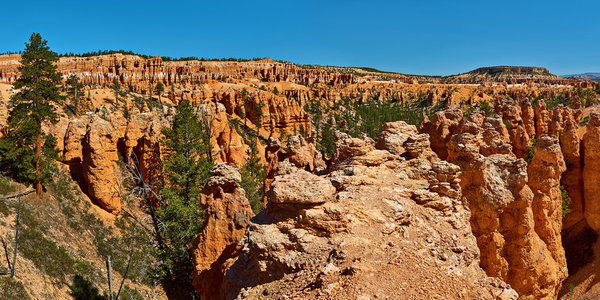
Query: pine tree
point(159, 89)
point(116, 87)
point(186, 166)
point(244, 93)
point(26, 151)
point(253, 176)
point(74, 91)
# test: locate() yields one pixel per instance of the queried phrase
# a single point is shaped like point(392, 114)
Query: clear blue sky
point(415, 37)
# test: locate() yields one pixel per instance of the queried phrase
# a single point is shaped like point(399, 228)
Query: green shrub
point(555, 101)
point(530, 151)
point(12, 289)
point(55, 261)
point(83, 289)
point(482, 106)
point(4, 209)
point(128, 293)
point(584, 121)
point(6, 187)
point(566, 201)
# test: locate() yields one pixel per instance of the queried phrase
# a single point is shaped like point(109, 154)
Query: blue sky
point(414, 37)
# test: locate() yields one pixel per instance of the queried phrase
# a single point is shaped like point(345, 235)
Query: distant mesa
point(509, 75)
point(584, 76)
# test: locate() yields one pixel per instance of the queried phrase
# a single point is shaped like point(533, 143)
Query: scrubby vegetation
point(356, 118)
point(566, 201)
point(530, 151)
point(483, 107)
point(47, 234)
point(12, 289)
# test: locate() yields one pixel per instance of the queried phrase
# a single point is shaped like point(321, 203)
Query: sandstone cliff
point(227, 213)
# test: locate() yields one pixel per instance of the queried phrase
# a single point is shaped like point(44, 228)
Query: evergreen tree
point(160, 88)
point(116, 87)
point(258, 113)
point(26, 151)
point(244, 93)
point(74, 91)
point(253, 176)
point(186, 167)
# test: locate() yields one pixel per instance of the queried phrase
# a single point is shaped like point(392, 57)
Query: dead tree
point(13, 270)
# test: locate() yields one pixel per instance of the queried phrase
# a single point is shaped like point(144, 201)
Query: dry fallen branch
point(25, 193)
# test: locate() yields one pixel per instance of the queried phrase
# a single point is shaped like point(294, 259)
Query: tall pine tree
point(186, 167)
point(26, 151)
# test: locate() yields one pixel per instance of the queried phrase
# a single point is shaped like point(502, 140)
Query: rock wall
point(591, 172)
point(516, 204)
point(227, 213)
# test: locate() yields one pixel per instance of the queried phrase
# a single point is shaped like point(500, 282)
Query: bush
point(55, 261)
point(128, 293)
point(584, 121)
point(6, 187)
point(530, 151)
point(82, 289)
point(482, 106)
point(553, 102)
point(566, 201)
point(12, 289)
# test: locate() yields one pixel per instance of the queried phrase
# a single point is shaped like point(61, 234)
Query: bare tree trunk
point(13, 270)
point(6, 254)
point(125, 274)
point(38, 164)
point(108, 270)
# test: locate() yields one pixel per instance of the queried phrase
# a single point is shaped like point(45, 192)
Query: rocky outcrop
point(591, 172)
point(93, 144)
point(544, 174)
point(440, 130)
point(227, 213)
point(226, 143)
point(303, 154)
point(517, 228)
point(572, 179)
point(519, 122)
point(99, 164)
point(357, 232)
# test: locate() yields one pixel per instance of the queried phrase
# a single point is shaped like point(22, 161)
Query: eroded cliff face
point(227, 213)
point(591, 172)
point(92, 146)
point(514, 224)
point(265, 96)
point(382, 223)
point(546, 206)
point(96, 146)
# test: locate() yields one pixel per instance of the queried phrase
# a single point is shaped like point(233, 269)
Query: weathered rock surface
point(93, 144)
point(227, 213)
point(591, 172)
point(363, 238)
point(517, 228)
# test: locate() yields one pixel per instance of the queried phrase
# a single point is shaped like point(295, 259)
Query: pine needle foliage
point(186, 167)
point(26, 152)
